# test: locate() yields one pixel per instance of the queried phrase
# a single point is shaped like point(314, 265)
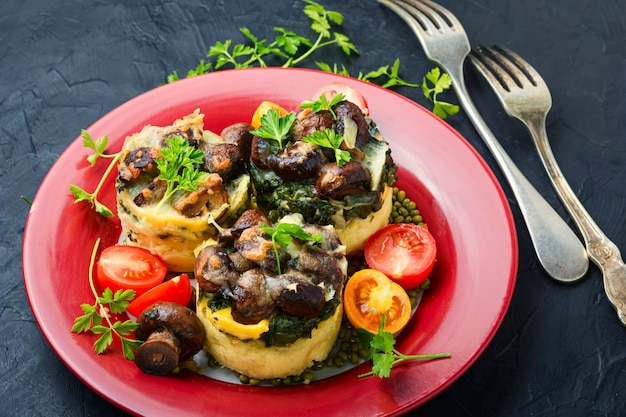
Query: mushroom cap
point(180, 320)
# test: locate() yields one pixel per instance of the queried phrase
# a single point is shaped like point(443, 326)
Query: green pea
point(307, 377)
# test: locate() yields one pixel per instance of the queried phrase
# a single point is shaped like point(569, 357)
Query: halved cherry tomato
point(262, 109)
point(129, 268)
point(351, 95)
point(404, 252)
point(177, 290)
point(368, 295)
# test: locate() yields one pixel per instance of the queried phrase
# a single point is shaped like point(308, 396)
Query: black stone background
point(560, 351)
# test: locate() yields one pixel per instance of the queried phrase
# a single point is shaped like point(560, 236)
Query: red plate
point(460, 198)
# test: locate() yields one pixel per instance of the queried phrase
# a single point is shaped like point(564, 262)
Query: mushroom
point(214, 269)
point(224, 159)
point(239, 134)
point(337, 182)
point(348, 110)
point(137, 161)
point(296, 162)
point(307, 123)
point(172, 333)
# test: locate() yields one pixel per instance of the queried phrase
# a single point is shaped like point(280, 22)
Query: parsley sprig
point(287, 45)
point(385, 356)
point(178, 167)
point(97, 317)
point(283, 235)
point(390, 74)
point(99, 147)
point(328, 138)
point(275, 127)
point(441, 82)
point(322, 103)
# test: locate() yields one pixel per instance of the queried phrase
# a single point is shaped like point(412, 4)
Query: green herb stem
point(112, 164)
point(400, 357)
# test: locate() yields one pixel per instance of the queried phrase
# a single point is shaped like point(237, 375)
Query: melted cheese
point(224, 321)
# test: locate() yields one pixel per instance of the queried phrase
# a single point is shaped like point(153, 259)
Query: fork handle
point(558, 249)
point(602, 251)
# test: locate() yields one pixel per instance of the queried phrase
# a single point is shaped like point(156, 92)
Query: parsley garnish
point(178, 167)
point(99, 147)
point(275, 127)
point(385, 356)
point(328, 138)
point(441, 82)
point(283, 235)
point(287, 44)
point(392, 75)
point(322, 103)
point(95, 315)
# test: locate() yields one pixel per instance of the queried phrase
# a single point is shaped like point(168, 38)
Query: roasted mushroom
point(172, 333)
point(296, 162)
point(138, 161)
point(214, 269)
point(337, 182)
point(239, 134)
point(347, 110)
point(224, 159)
point(307, 123)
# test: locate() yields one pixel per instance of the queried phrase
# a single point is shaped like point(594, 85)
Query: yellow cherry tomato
point(368, 295)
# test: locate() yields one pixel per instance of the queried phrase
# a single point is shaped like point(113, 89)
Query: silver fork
point(525, 96)
point(558, 249)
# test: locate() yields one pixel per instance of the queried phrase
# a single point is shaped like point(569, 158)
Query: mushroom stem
point(159, 354)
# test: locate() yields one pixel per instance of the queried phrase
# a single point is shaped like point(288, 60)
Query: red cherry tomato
point(351, 95)
point(129, 268)
point(177, 290)
point(406, 253)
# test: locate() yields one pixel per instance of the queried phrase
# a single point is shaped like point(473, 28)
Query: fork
point(445, 42)
point(525, 96)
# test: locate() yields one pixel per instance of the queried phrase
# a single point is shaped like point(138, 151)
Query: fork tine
point(505, 61)
point(491, 70)
point(429, 15)
point(530, 73)
point(416, 19)
point(443, 15)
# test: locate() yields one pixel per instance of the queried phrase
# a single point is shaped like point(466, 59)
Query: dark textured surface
point(560, 351)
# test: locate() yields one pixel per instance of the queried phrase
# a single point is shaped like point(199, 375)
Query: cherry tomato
point(406, 253)
point(368, 295)
point(177, 290)
point(129, 268)
point(351, 95)
point(262, 109)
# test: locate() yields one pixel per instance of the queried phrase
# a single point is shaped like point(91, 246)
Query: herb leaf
point(178, 167)
point(275, 127)
point(393, 77)
point(385, 356)
point(328, 138)
point(283, 235)
point(285, 46)
point(441, 82)
point(82, 195)
point(322, 103)
point(98, 146)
